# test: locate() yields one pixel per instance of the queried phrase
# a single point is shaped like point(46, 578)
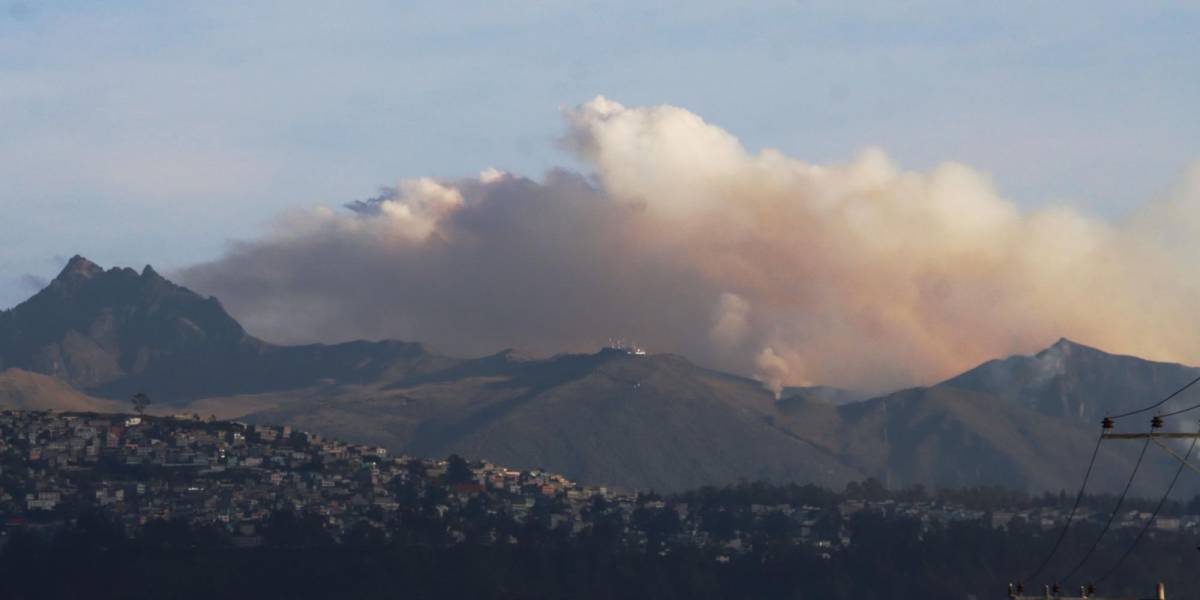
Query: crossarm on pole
point(1152, 436)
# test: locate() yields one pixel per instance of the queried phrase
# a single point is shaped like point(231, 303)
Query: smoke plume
point(859, 274)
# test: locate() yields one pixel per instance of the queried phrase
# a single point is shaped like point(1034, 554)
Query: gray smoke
point(858, 274)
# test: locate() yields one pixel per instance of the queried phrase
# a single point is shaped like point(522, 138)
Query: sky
point(166, 132)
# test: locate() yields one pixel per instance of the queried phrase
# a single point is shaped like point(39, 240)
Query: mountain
point(649, 422)
point(661, 422)
point(116, 332)
point(1079, 383)
point(948, 437)
point(637, 421)
point(96, 336)
point(1026, 421)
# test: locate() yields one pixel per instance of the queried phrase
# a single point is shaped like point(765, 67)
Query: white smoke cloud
point(774, 371)
point(731, 322)
point(858, 274)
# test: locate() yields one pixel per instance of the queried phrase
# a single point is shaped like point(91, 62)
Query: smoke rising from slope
point(858, 274)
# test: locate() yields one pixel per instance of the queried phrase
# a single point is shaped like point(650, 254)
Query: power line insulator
point(1107, 423)
point(1156, 422)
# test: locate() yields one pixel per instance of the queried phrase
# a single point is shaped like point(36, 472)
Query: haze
point(870, 197)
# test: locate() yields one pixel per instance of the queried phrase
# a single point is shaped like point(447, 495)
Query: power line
point(1161, 402)
point(1180, 411)
point(1120, 501)
point(1154, 515)
point(1078, 497)
point(1113, 516)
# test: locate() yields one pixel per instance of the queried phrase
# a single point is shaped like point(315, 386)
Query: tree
point(163, 535)
point(140, 402)
point(286, 529)
point(458, 471)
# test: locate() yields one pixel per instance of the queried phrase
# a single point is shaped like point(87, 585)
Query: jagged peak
point(1064, 345)
point(78, 268)
point(148, 272)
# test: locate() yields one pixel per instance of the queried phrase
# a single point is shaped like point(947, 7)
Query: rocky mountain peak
point(1071, 380)
point(91, 326)
point(77, 269)
point(1066, 346)
point(112, 332)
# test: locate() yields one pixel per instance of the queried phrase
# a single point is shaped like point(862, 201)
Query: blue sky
point(138, 132)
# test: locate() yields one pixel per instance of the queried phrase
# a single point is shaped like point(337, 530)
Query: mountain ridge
point(115, 332)
point(1077, 382)
point(611, 417)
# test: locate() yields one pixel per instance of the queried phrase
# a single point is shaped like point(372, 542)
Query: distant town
point(233, 477)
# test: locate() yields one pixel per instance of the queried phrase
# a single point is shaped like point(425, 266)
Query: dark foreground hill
point(657, 421)
point(752, 541)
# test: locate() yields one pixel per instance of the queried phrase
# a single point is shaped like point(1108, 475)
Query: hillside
point(652, 422)
point(660, 422)
point(822, 393)
point(953, 438)
point(22, 390)
point(1078, 383)
point(638, 421)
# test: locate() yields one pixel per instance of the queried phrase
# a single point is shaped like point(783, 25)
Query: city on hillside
point(233, 478)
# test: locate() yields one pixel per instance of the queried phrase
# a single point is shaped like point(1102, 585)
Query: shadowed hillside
point(1078, 383)
point(638, 421)
point(116, 332)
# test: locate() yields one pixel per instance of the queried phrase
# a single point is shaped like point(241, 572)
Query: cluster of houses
point(234, 476)
point(1044, 517)
point(54, 466)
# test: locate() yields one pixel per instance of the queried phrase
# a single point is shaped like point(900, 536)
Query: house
point(467, 488)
